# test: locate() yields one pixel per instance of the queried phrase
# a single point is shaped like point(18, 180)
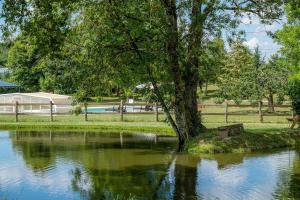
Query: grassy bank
point(257, 135)
point(251, 140)
point(73, 123)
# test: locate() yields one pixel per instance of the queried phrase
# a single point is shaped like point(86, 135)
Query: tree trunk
point(172, 48)
point(191, 73)
point(271, 102)
point(185, 82)
point(180, 126)
point(201, 84)
point(206, 87)
point(193, 118)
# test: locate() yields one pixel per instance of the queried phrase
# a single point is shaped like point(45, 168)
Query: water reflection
point(58, 165)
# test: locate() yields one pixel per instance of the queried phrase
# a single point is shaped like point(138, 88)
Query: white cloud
point(250, 20)
point(272, 27)
point(252, 43)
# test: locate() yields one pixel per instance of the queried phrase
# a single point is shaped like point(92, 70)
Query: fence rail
point(121, 108)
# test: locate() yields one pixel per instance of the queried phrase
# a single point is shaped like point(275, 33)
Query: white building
point(4, 71)
point(61, 103)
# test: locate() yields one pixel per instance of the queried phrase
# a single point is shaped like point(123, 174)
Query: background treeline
point(238, 72)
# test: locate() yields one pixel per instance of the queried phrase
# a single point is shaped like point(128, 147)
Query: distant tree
point(252, 77)
point(22, 60)
point(233, 82)
point(247, 76)
point(213, 58)
point(3, 54)
point(274, 79)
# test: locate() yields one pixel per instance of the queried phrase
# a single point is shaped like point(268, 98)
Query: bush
point(99, 99)
point(294, 93)
point(77, 110)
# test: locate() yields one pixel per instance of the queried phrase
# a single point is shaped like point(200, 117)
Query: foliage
point(247, 76)
point(3, 55)
point(125, 43)
point(294, 93)
point(234, 79)
point(213, 58)
point(274, 78)
point(77, 110)
point(22, 60)
point(288, 37)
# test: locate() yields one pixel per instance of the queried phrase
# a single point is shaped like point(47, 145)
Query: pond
point(74, 165)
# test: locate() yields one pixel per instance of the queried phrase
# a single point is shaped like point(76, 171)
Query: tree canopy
point(164, 42)
point(288, 37)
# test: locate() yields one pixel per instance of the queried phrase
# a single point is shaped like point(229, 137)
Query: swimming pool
point(114, 109)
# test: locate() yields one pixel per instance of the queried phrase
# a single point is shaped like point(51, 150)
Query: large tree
point(288, 37)
point(158, 41)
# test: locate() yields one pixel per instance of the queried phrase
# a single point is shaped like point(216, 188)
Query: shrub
point(77, 110)
point(99, 99)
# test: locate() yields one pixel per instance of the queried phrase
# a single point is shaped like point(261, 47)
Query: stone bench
point(230, 130)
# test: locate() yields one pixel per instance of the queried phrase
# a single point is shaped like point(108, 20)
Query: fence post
point(226, 112)
point(261, 119)
point(17, 111)
point(85, 111)
point(51, 111)
point(156, 111)
point(121, 110)
point(51, 136)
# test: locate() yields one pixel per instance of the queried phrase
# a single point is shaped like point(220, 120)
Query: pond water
point(66, 165)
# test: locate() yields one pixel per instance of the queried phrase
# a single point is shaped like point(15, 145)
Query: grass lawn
point(95, 122)
point(142, 123)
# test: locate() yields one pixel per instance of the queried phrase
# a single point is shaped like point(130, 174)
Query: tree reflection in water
point(295, 179)
point(178, 183)
point(185, 177)
point(108, 167)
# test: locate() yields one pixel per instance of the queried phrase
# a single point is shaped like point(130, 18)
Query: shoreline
point(256, 137)
point(161, 131)
point(249, 141)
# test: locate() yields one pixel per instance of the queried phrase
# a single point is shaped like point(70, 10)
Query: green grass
point(144, 123)
point(253, 139)
point(131, 123)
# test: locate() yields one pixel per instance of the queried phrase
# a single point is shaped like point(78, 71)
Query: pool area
point(111, 109)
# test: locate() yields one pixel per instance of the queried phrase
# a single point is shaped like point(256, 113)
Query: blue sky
point(256, 34)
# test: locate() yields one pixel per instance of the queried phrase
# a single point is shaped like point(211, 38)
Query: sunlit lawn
point(144, 123)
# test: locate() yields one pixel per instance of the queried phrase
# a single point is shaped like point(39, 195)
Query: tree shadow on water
point(176, 180)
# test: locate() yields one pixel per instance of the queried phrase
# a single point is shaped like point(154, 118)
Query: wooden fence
point(258, 107)
point(121, 109)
